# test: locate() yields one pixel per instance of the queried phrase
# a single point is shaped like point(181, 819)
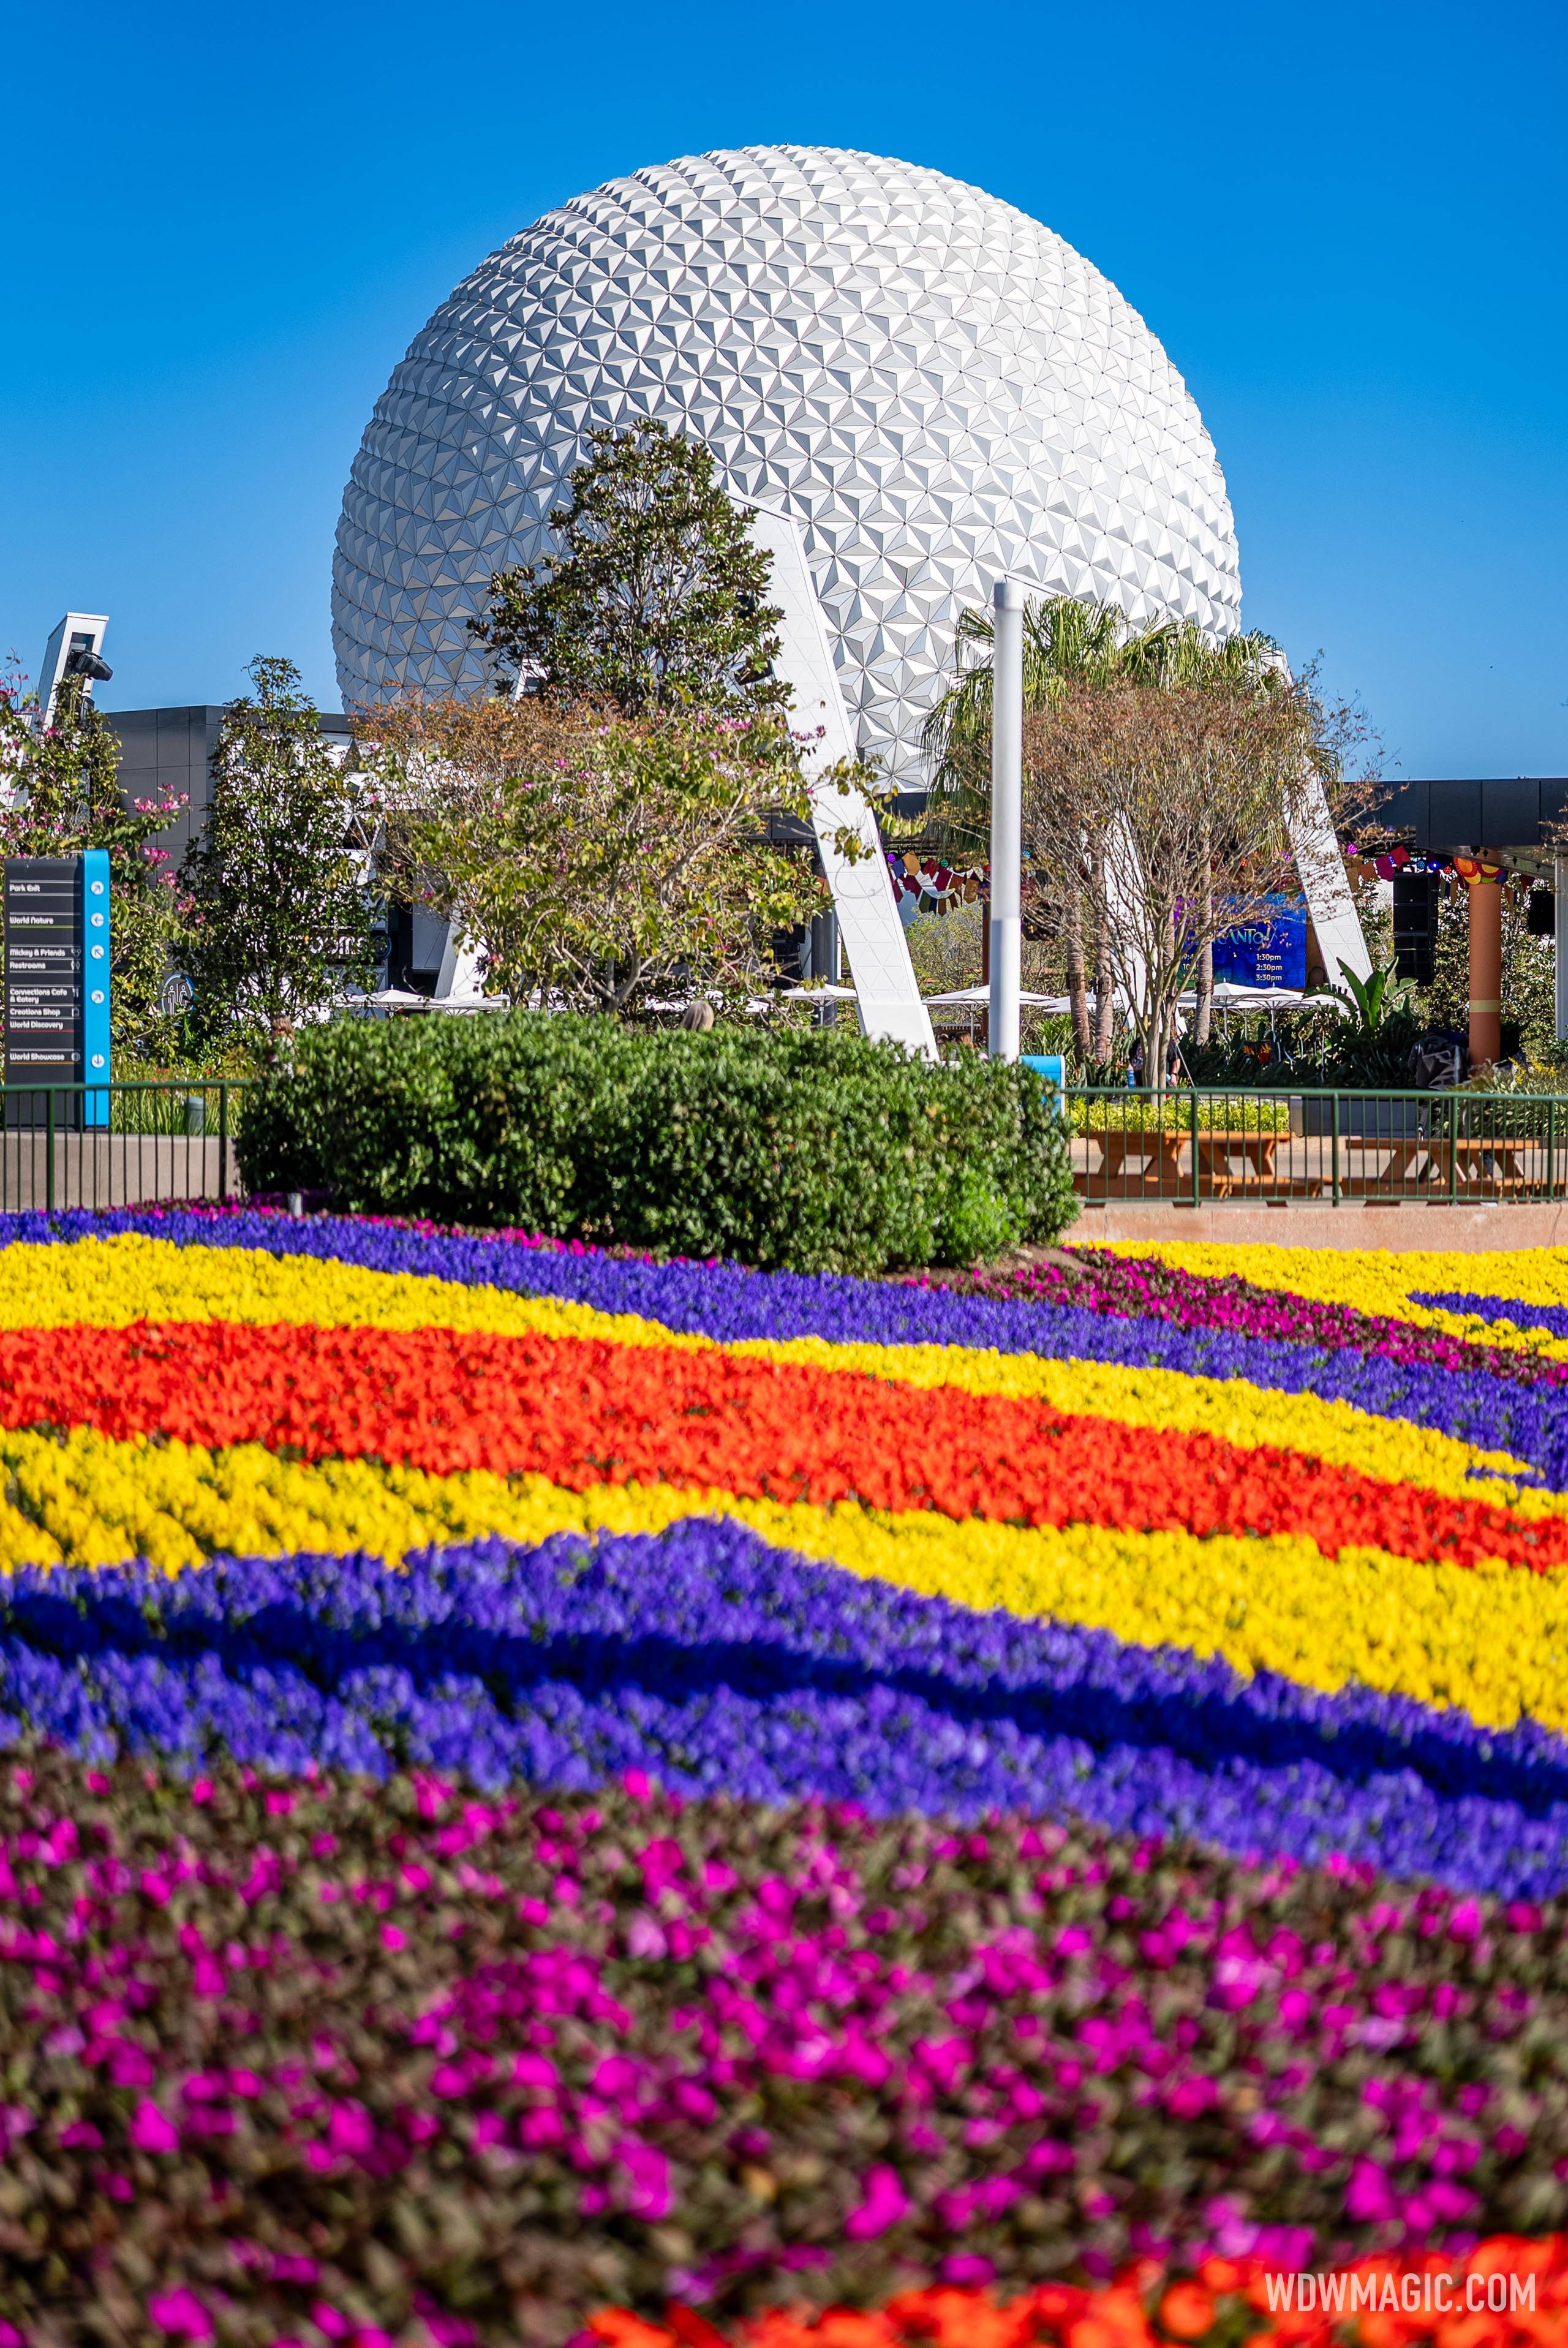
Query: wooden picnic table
point(1135, 1141)
point(1218, 1147)
point(1416, 1158)
point(1467, 1160)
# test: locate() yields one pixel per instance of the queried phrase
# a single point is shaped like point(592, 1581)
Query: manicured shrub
point(818, 1152)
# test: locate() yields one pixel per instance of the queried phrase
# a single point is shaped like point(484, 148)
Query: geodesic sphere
point(937, 387)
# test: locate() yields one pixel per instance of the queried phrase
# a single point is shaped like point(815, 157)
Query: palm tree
point(1064, 642)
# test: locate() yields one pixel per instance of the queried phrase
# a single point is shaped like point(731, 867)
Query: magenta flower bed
point(321, 2060)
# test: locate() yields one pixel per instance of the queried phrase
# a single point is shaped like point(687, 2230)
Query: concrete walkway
point(1396, 1224)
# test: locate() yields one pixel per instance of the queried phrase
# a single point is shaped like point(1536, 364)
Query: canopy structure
point(1226, 996)
point(976, 998)
point(391, 998)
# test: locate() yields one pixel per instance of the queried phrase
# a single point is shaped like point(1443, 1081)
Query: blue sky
point(1345, 223)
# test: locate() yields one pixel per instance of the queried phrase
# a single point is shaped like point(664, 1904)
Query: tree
point(1174, 812)
point(1072, 649)
point(657, 599)
point(281, 909)
point(600, 859)
point(62, 795)
point(1064, 642)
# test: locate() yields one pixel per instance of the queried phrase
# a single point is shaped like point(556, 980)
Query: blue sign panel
point(1267, 949)
point(94, 981)
point(57, 1000)
point(1051, 1066)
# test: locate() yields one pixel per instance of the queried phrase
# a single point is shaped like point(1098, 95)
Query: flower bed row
point(713, 1660)
point(1509, 2293)
point(1114, 1743)
point(325, 2059)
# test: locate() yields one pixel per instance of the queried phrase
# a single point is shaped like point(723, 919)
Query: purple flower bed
point(717, 1664)
point(1553, 1318)
point(319, 2061)
point(1143, 1287)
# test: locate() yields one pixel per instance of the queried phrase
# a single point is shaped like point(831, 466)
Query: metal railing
point(1223, 1144)
point(119, 1145)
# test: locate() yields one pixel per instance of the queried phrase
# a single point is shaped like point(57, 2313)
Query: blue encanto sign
point(1269, 949)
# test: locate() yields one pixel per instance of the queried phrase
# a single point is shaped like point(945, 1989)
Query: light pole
point(1007, 815)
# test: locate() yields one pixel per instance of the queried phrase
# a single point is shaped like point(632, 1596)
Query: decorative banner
point(923, 884)
point(1269, 950)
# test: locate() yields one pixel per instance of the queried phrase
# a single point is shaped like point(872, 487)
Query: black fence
point(1215, 1144)
point(119, 1144)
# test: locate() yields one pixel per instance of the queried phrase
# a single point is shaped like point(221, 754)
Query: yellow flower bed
point(1492, 1638)
point(108, 1283)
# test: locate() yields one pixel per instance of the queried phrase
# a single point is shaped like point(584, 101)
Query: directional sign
point(57, 977)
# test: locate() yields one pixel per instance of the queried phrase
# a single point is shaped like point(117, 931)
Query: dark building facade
point(168, 753)
point(1452, 818)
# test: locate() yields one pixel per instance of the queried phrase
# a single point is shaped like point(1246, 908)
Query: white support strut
point(888, 996)
point(1320, 868)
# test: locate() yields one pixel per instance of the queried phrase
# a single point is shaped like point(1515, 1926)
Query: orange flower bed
point(1510, 2292)
point(582, 1411)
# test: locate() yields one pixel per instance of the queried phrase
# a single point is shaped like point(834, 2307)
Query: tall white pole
point(1007, 815)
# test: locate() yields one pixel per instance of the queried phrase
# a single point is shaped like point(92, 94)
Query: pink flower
point(645, 1937)
point(393, 1938)
point(649, 2171)
point(885, 2204)
point(1368, 2197)
point(180, 2310)
point(152, 2130)
point(351, 2129)
point(1191, 2099)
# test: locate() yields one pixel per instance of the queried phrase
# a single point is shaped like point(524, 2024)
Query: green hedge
point(818, 1150)
point(1171, 1112)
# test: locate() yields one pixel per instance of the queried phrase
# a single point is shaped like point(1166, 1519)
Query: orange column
point(1485, 970)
